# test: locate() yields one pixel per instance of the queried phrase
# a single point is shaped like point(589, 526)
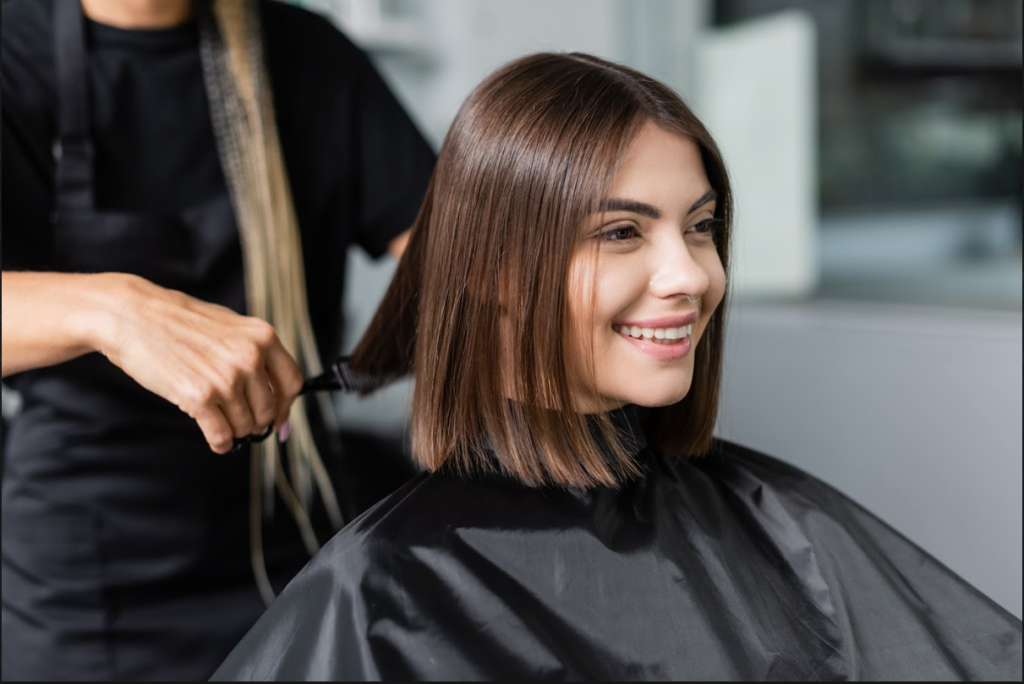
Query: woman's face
point(640, 264)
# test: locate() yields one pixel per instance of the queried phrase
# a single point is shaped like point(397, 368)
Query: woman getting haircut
point(561, 306)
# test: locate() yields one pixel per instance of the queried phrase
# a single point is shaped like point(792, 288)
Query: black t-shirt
point(357, 166)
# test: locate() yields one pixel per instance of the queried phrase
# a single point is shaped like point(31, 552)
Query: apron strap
point(73, 149)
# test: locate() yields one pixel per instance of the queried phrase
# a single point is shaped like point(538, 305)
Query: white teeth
point(667, 335)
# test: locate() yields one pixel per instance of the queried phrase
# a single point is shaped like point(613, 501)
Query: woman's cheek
point(717, 285)
point(618, 285)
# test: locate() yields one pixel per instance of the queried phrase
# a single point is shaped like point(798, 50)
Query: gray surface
point(914, 412)
point(959, 254)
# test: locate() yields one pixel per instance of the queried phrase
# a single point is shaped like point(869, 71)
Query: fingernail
point(286, 429)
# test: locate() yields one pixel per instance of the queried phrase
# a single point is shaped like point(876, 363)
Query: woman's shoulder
point(775, 494)
point(865, 572)
point(433, 508)
point(792, 510)
point(743, 469)
point(389, 561)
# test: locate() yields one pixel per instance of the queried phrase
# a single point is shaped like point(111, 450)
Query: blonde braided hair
point(241, 104)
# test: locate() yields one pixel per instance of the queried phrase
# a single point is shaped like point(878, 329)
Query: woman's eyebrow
point(633, 206)
point(650, 211)
point(709, 196)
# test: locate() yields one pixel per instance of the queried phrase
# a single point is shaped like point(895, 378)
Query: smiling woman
point(560, 306)
point(606, 203)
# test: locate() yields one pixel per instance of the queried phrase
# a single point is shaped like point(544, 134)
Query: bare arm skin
point(227, 371)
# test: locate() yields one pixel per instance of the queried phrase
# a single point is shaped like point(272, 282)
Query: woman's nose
point(676, 273)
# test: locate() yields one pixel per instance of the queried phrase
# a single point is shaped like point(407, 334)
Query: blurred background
point(875, 145)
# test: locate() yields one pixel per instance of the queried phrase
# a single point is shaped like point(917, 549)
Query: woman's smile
point(665, 339)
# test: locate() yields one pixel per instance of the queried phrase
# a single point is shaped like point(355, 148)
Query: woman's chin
point(654, 397)
point(660, 390)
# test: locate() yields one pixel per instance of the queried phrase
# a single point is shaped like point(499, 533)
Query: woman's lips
point(662, 349)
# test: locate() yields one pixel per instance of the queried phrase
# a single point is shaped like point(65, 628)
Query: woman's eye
point(619, 233)
point(706, 227)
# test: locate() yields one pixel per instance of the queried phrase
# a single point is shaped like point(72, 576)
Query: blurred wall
point(459, 42)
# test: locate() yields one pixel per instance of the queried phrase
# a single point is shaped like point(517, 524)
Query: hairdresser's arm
point(396, 247)
point(227, 371)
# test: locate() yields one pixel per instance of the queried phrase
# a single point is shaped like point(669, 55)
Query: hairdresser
point(182, 179)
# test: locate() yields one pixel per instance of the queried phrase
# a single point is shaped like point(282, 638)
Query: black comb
point(338, 377)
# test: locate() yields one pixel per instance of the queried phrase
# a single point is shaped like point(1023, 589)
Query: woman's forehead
point(661, 170)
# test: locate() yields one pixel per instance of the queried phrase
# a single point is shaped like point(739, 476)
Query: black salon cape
point(731, 566)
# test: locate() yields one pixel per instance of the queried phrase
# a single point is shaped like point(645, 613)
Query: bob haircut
point(527, 160)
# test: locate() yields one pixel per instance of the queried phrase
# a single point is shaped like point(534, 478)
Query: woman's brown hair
point(528, 158)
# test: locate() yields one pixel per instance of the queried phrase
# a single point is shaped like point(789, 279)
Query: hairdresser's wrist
point(108, 303)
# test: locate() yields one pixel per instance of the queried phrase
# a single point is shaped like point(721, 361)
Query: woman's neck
point(138, 14)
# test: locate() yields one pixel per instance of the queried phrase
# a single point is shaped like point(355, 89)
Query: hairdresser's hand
point(229, 372)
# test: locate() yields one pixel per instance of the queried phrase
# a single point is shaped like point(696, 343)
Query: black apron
point(125, 539)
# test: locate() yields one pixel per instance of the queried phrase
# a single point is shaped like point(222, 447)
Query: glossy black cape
point(732, 566)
